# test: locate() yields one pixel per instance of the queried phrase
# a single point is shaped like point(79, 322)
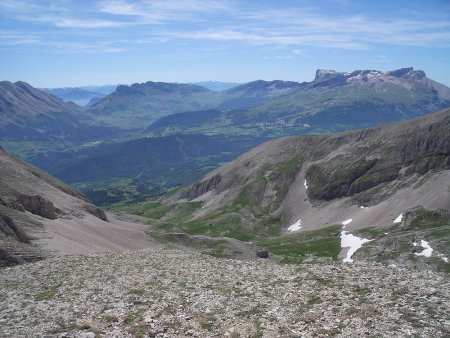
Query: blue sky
point(71, 43)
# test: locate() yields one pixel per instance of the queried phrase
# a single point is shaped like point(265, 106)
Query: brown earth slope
point(39, 213)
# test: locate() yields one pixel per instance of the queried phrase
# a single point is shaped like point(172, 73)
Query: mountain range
point(379, 183)
point(294, 199)
point(69, 141)
point(85, 94)
point(333, 101)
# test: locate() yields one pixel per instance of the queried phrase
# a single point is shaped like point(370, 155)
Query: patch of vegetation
point(137, 292)
point(130, 318)
point(313, 301)
point(429, 219)
point(47, 294)
point(218, 249)
point(110, 319)
point(295, 248)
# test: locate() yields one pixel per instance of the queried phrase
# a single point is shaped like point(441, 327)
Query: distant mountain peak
point(325, 74)
point(334, 78)
point(408, 73)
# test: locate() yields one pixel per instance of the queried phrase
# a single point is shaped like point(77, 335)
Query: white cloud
point(158, 11)
point(223, 20)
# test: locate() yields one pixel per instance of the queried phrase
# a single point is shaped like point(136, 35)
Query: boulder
point(262, 254)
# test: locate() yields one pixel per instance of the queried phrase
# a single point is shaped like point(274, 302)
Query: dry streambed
point(172, 293)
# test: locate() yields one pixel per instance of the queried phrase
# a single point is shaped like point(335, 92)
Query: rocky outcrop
point(408, 73)
point(9, 228)
point(203, 187)
point(38, 205)
point(97, 212)
point(384, 158)
point(12, 204)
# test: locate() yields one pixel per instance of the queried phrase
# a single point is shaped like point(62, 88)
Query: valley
point(236, 119)
point(274, 208)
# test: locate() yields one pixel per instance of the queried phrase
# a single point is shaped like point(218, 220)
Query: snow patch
point(305, 184)
point(347, 221)
point(296, 226)
point(398, 219)
point(363, 207)
point(353, 243)
point(445, 259)
point(427, 250)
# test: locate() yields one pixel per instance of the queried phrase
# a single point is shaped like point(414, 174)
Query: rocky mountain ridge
point(352, 164)
point(333, 101)
point(309, 188)
point(27, 113)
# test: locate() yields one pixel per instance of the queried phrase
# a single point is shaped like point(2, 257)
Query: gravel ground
point(173, 293)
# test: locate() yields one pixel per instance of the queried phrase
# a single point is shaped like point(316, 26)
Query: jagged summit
point(367, 75)
point(408, 73)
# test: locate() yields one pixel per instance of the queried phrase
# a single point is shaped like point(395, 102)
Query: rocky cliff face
point(334, 78)
point(389, 154)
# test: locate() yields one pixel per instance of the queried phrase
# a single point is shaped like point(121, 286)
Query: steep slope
point(29, 112)
point(333, 101)
point(370, 176)
point(39, 213)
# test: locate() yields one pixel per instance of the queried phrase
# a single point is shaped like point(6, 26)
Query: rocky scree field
point(173, 293)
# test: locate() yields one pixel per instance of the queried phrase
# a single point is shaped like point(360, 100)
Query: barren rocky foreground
point(172, 293)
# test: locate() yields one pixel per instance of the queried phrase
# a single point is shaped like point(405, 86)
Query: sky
point(97, 42)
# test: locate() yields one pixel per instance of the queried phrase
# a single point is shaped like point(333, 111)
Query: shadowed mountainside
point(27, 113)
